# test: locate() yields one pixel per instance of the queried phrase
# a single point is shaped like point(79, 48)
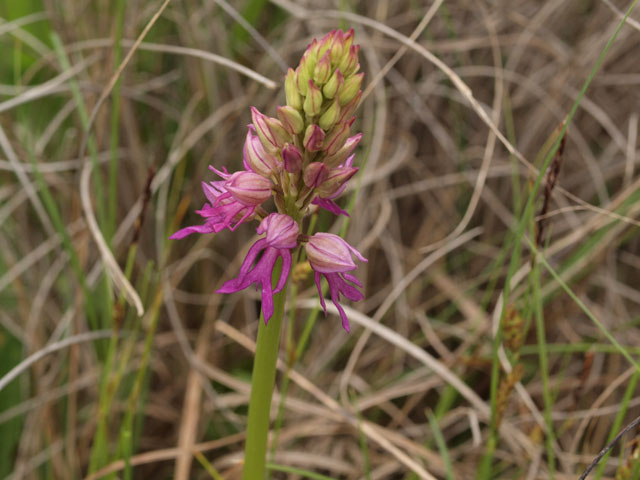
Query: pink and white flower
point(331, 256)
point(281, 236)
point(224, 209)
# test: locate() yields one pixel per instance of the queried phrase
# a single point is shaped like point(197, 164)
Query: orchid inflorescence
point(303, 159)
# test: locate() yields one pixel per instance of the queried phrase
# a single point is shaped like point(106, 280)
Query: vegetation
point(497, 204)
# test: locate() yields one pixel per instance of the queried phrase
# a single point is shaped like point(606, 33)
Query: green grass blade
point(442, 444)
point(114, 139)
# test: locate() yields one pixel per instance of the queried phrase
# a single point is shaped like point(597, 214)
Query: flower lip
point(328, 253)
point(329, 205)
point(339, 284)
point(282, 230)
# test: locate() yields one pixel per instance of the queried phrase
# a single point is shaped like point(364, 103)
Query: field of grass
point(498, 204)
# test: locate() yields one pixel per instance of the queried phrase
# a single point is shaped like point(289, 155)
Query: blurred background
point(498, 336)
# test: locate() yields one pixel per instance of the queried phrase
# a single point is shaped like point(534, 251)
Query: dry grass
point(456, 127)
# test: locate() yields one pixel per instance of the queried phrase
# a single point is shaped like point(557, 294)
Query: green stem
point(262, 382)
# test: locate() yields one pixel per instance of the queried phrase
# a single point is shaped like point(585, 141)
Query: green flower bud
point(309, 60)
point(325, 43)
point(312, 50)
point(349, 63)
point(313, 100)
point(347, 40)
point(350, 88)
point(337, 137)
point(291, 90)
point(337, 47)
point(329, 118)
point(333, 85)
point(347, 110)
point(345, 151)
point(313, 138)
point(291, 119)
point(302, 80)
point(322, 70)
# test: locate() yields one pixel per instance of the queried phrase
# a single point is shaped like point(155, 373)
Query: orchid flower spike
point(303, 159)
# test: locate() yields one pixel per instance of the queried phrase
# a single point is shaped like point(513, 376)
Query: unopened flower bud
point(313, 100)
point(249, 188)
point(292, 158)
point(335, 181)
point(349, 63)
point(302, 80)
point(310, 56)
point(291, 90)
point(333, 85)
point(291, 119)
point(313, 138)
point(329, 118)
point(336, 138)
point(347, 40)
point(328, 253)
point(305, 69)
point(350, 88)
point(271, 132)
point(282, 230)
point(341, 155)
point(322, 70)
point(325, 43)
point(256, 158)
point(337, 47)
point(346, 111)
point(315, 174)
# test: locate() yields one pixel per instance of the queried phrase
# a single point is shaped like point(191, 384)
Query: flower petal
point(286, 267)
point(206, 228)
point(317, 278)
point(329, 205)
